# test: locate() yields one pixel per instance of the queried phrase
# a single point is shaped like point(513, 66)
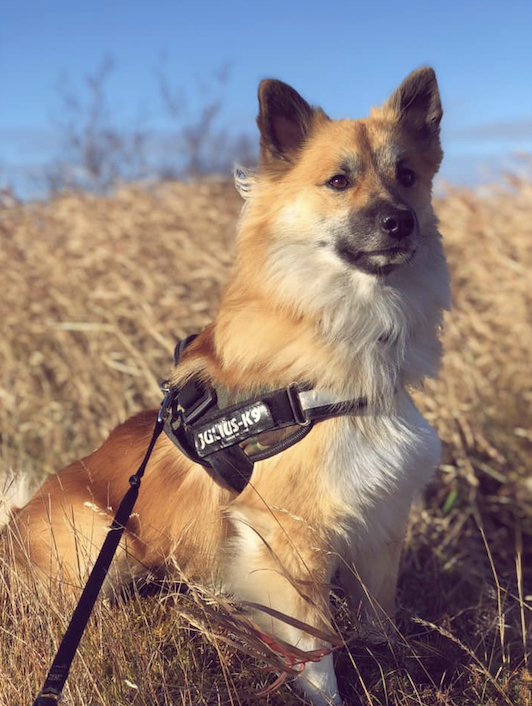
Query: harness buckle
point(295, 404)
point(195, 400)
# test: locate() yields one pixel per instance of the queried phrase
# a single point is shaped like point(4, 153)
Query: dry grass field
point(94, 293)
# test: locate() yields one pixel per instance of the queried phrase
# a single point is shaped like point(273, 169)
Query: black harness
point(225, 439)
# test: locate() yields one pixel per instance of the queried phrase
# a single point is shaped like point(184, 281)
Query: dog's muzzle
point(383, 237)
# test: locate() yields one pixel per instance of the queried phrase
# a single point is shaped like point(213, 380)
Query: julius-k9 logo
point(230, 430)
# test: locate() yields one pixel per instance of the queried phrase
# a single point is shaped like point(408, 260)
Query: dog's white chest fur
point(374, 467)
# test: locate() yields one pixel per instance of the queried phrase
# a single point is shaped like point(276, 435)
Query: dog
point(339, 285)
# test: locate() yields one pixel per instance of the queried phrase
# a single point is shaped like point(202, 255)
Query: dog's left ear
point(285, 121)
point(417, 102)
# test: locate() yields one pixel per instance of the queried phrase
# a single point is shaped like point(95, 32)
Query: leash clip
point(165, 404)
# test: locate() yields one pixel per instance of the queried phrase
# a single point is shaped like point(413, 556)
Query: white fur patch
point(15, 491)
point(318, 680)
point(375, 466)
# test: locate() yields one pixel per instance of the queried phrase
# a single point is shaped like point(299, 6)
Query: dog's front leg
point(370, 583)
point(284, 570)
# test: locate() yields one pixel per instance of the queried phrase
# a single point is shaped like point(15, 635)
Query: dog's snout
point(398, 223)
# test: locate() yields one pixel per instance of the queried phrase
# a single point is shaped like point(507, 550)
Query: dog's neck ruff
point(227, 434)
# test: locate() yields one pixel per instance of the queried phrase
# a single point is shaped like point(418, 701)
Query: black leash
point(50, 693)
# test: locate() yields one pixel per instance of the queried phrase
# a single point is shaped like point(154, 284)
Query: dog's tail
point(15, 491)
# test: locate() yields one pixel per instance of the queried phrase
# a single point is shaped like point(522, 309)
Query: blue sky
point(344, 56)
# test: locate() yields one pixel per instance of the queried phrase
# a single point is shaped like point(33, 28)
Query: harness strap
point(214, 429)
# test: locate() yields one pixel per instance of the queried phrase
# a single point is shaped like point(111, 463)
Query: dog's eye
point(406, 176)
point(339, 182)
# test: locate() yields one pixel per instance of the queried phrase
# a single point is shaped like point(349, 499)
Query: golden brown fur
point(296, 309)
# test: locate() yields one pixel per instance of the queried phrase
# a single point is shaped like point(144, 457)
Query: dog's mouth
point(376, 262)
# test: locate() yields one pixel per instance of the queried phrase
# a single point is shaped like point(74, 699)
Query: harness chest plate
point(228, 430)
point(227, 436)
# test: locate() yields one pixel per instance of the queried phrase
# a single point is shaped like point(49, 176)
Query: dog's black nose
point(398, 223)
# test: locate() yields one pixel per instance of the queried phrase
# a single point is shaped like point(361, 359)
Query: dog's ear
point(417, 102)
point(285, 120)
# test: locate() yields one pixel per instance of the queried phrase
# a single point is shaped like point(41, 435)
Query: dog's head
point(338, 235)
point(359, 190)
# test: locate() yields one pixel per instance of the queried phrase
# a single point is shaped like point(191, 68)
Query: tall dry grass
point(95, 291)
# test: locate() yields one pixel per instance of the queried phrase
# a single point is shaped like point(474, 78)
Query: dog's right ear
point(285, 120)
point(417, 102)
point(416, 105)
